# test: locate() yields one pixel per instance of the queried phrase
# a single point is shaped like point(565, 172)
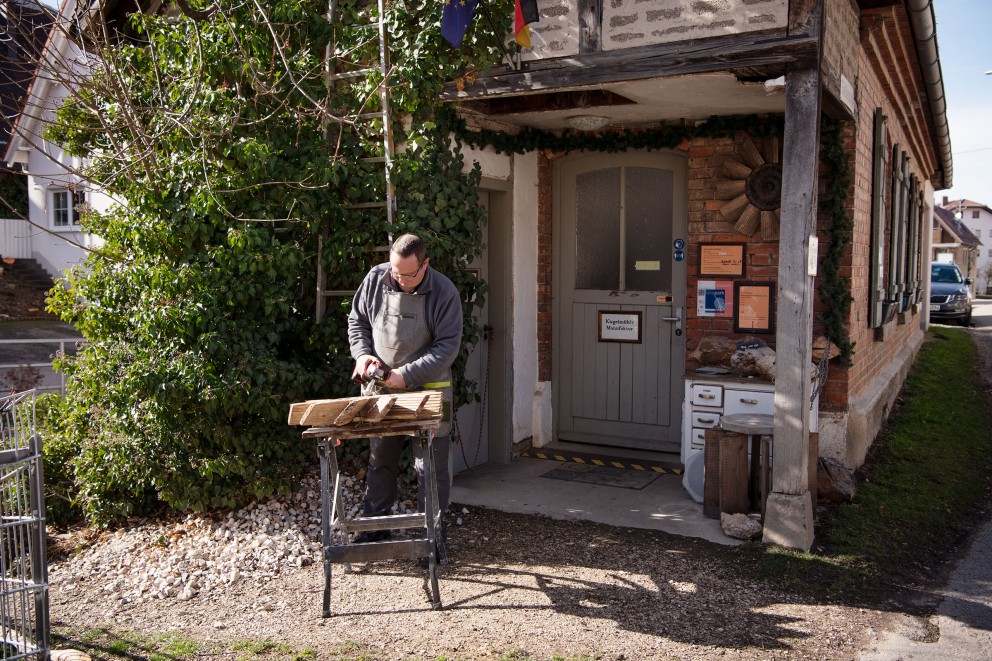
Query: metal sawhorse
point(335, 527)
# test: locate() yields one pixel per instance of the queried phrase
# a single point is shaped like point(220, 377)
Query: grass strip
point(922, 481)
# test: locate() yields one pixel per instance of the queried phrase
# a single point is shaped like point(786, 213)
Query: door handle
point(677, 320)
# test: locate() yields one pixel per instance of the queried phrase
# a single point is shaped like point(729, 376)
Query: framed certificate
point(754, 312)
point(724, 260)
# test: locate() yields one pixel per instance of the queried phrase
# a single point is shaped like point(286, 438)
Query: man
point(407, 318)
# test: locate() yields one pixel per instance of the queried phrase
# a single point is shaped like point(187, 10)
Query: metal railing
point(60, 341)
point(24, 624)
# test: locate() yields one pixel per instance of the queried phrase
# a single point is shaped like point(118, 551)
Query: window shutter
point(876, 282)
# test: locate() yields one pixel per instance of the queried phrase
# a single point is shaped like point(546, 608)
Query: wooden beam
point(590, 26)
point(794, 308)
point(726, 53)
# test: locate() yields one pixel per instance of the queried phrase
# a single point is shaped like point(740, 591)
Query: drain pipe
point(921, 19)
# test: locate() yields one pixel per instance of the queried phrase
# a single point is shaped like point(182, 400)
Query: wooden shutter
point(877, 259)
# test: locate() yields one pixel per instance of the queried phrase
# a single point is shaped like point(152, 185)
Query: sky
point(964, 41)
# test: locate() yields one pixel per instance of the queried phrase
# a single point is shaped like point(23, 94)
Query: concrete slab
point(518, 487)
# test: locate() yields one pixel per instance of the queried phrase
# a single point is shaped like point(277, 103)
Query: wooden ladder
point(338, 72)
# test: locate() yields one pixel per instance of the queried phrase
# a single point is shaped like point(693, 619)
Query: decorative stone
point(758, 362)
point(835, 483)
point(739, 526)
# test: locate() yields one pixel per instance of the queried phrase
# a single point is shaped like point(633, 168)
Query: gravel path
point(517, 583)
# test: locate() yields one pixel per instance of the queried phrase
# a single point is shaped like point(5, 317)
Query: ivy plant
point(234, 167)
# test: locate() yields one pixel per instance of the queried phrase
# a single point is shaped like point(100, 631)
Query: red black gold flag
point(524, 13)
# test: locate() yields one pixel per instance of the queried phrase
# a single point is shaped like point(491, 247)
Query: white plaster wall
point(493, 164)
point(49, 168)
point(630, 23)
point(524, 332)
point(556, 34)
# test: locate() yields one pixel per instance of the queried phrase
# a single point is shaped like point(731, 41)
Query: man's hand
point(395, 380)
point(362, 367)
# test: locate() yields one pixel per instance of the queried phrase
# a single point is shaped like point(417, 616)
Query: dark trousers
point(384, 469)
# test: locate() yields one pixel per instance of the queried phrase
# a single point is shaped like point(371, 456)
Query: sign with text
point(616, 326)
point(721, 259)
point(754, 311)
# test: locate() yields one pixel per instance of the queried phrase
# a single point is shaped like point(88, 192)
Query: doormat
point(604, 476)
point(659, 467)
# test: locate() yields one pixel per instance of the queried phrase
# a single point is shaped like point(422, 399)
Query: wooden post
point(789, 511)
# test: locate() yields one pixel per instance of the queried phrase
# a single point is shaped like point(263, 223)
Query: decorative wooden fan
point(753, 189)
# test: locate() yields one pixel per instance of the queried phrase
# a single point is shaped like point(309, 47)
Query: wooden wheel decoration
point(753, 189)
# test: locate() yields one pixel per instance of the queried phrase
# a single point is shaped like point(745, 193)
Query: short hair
point(410, 244)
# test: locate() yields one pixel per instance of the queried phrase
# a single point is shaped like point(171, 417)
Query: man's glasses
point(408, 276)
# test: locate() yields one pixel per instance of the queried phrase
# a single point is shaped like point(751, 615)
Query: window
point(978, 234)
point(65, 208)
point(990, 253)
point(974, 214)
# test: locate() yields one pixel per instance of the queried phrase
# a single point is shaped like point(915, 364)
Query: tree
point(219, 137)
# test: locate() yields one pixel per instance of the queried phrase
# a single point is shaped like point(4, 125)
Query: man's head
point(408, 261)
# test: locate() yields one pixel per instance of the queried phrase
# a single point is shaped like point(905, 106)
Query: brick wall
point(873, 349)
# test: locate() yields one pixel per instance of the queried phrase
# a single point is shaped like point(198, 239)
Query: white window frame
point(55, 210)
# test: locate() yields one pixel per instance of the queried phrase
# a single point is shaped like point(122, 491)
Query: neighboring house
point(977, 217)
point(608, 270)
point(954, 242)
point(23, 30)
point(56, 195)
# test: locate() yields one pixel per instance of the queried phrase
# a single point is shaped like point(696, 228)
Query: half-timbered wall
point(631, 23)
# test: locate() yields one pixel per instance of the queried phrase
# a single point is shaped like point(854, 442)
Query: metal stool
point(758, 428)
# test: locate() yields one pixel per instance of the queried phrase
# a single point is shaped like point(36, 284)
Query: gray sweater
point(443, 310)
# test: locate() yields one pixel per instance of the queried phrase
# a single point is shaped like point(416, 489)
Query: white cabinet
point(706, 401)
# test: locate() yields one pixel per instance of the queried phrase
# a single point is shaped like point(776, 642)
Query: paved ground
point(962, 627)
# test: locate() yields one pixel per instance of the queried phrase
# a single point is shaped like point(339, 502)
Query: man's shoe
point(370, 536)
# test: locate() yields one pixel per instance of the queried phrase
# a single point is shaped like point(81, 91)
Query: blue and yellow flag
point(456, 18)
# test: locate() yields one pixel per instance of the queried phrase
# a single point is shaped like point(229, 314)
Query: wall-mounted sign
point(616, 326)
point(715, 298)
point(754, 313)
point(647, 265)
point(679, 255)
point(721, 259)
point(678, 244)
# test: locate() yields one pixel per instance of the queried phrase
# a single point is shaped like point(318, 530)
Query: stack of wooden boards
point(396, 409)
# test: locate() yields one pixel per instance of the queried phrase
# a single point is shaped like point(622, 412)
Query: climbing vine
point(834, 289)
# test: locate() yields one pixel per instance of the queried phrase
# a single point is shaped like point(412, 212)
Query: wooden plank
point(353, 408)
point(384, 428)
point(728, 189)
point(733, 209)
point(322, 412)
point(590, 26)
point(413, 405)
point(297, 409)
point(748, 222)
point(377, 410)
point(735, 169)
point(723, 53)
point(769, 225)
point(749, 151)
point(733, 473)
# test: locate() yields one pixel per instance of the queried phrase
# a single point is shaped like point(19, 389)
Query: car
point(950, 293)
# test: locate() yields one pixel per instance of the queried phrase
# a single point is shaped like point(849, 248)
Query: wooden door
point(620, 290)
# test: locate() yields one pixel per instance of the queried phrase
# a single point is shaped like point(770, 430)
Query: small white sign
point(619, 326)
point(647, 265)
point(814, 246)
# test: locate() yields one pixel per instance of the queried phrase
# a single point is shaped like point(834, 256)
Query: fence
point(51, 380)
point(24, 624)
point(15, 238)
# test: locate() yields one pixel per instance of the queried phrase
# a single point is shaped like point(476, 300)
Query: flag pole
point(492, 24)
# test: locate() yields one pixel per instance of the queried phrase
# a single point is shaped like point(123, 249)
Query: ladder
point(338, 71)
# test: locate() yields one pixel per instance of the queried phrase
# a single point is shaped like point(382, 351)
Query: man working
point(406, 318)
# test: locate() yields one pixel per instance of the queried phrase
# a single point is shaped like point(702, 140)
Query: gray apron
point(401, 335)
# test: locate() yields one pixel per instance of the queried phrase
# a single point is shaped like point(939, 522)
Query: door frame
point(499, 302)
point(679, 275)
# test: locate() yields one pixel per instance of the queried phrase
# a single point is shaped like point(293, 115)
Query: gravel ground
point(517, 583)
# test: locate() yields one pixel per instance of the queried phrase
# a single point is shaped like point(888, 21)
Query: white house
point(56, 194)
point(977, 217)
